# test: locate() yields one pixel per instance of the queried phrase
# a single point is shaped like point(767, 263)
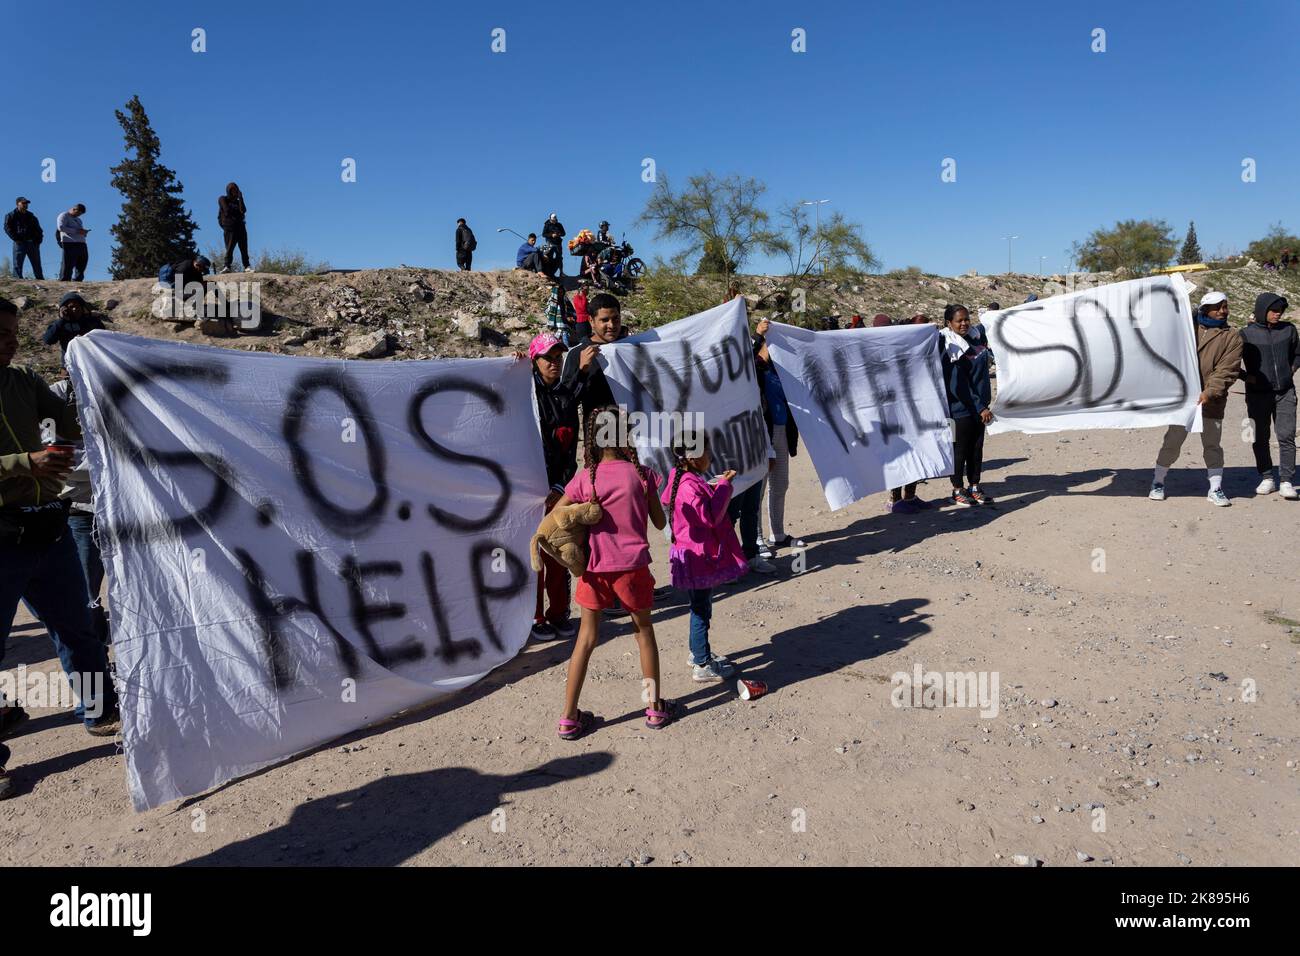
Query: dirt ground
point(1150, 756)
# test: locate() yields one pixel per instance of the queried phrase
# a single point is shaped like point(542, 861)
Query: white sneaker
point(225, 270)
point(1217, 497)
point(1266, 486)
point(1287, 491)
point(1157, 491)
point(248, 268)
point(761, 565)
point(709, 672)
point(723, 665)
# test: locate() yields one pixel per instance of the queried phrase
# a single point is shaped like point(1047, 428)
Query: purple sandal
point(659, 719)
point(573, 729)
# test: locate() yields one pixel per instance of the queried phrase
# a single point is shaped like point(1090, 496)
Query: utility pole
point(1008, 239)
point(1040, 266)
point(817, 212)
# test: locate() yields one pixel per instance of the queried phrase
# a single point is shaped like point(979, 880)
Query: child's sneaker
point(710, 672)
point(764, 551)
point(1287, 491)
point(1266, 486)
point(977, 495)
point(543, 631)
point(789, 541)
point(721, 663)
point(1218, 498)
point(916, 503)
point(961, 499)
point(1157, 491)
point(761, 565)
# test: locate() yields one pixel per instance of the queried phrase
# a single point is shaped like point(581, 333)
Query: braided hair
point(685, 441)
point(593, 452)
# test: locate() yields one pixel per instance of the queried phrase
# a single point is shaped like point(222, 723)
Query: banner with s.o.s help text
point(297, 548)
point(1121, 355)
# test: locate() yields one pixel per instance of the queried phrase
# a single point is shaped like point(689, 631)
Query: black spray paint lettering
point(484, 592)
point(740, 442)
point(1081, 389)
point(344, 521)
point(415, 420)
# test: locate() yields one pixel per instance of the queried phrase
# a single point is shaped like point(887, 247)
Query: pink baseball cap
point(543, 343)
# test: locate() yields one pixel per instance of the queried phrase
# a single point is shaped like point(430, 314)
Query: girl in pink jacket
point(705, 552)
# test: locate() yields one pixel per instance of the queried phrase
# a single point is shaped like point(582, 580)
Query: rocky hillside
point(410, 313)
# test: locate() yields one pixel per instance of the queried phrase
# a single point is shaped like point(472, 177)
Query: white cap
point(1213, 298)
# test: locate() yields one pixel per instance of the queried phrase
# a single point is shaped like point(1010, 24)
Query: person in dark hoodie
point(1271, 354)
point(1219, 351)
point(465, 245)
point(557, 414)
point(75, 318)
point(231, 217)
point(966, 370)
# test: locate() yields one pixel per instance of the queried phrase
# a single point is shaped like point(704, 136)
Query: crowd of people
point(49, 557)
point(715, 536)
point(24, 229)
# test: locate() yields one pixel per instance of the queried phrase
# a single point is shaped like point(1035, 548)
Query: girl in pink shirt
point(619, 567)
point(705, 551)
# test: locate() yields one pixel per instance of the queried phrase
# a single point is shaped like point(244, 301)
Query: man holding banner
point(1219, 350)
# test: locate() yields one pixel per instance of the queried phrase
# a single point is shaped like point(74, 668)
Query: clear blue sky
point(1051, 139)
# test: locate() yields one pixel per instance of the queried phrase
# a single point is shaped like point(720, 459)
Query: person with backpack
point(231, 213)
point(1219, 351)
point(24, 229)
point(465, 245)
point(1271, 354)
point(38, 558)
point(71, 238)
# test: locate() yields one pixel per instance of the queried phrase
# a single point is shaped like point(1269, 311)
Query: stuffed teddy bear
point(563, 535)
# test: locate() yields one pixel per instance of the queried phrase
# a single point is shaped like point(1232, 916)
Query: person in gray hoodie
point(1270, 350)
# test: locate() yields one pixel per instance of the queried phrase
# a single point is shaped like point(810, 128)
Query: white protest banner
point(870, 404)
point(1121, 355)
point(698, 369)
point(297, 548)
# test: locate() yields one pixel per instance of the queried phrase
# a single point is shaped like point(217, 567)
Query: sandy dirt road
point(1149, 756)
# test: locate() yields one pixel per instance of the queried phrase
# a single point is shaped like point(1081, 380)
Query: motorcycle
point(610, 266)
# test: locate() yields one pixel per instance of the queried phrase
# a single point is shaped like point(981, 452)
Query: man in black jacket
point(553, 234)
point(1270, 351)
point(25, 230)
point(465, 245)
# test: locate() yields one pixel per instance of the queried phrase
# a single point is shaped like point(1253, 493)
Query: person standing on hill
point(465, 245)
point(72, 238)
point(1271, 354)
point(25, 230)
point(231, 217)
point(553, 234)
point(1219, 351)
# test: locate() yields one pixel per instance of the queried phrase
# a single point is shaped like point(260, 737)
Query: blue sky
point(1051, 140)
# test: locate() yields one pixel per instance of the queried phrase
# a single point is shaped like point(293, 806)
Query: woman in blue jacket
point(966, 359)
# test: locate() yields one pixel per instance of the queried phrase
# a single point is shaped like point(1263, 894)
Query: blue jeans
point(82, 526)
point(46, 580)
point(701, 614)
point(28, 249)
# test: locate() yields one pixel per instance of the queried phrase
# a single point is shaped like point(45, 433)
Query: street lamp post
point(1041, 259)
point(817, 213)
point(1008, 239)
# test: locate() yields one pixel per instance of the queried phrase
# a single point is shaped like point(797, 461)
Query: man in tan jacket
point(1219, 349)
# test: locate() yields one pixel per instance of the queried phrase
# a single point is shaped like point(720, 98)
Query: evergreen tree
point(154, 227)
point(1191, 248)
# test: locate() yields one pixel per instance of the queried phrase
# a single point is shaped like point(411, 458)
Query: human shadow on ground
point(835, 642)
point(25, 775)
point(389, 820)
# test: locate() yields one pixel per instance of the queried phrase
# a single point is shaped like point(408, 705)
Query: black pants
point(745, 507)
point(75, 257)
point(464, 259)
point(967, 450)
point(236, 235)
point(1279, 410)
